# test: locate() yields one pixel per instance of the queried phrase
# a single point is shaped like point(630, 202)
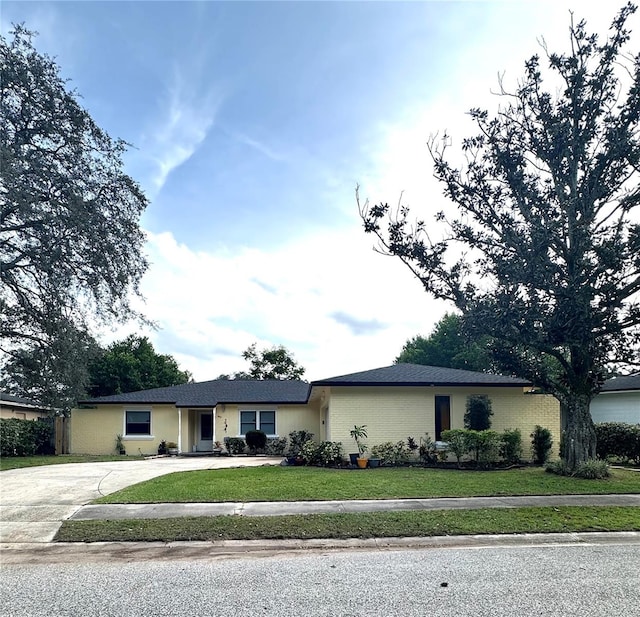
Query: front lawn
point(361, 525)
point(317, 484)
point(17, 462)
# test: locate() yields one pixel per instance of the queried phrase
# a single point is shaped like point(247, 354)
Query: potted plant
point(120, 445)
point(172, 448)
point(162, 447)
point(359, 433)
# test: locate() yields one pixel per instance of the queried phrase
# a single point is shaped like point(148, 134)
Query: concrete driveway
point(35, 500)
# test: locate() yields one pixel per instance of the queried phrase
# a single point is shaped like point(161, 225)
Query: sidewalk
point(280, 508)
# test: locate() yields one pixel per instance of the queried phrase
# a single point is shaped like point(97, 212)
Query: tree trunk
point(579, 436)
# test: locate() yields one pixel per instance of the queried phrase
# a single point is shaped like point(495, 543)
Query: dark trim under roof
point(216, 392)
point(421, 375)
point(621, 384)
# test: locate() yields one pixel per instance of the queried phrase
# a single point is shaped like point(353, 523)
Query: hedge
point(618, 440)
point(25, 437)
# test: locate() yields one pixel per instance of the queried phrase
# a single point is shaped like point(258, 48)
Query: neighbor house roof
point(420, 375)
point(617, 384)
point(8, 400)
point(215, 392)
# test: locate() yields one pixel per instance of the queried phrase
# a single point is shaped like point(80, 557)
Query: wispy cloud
point(184, 126)
point(261, 147)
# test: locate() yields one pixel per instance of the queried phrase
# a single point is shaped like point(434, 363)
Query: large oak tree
point(544, 255)
point(71, 248)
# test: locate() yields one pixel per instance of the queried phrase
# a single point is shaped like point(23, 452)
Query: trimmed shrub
point(618, 440)
point(256, 440)
point(391, 453)
point(541, 444)
point(457, 440)
point(477, 417)
point(296, 440)
point(323, 454)
point(511, 446)
point(276, 446)
point(25, 437)
point(235, 445)
point(483, 446)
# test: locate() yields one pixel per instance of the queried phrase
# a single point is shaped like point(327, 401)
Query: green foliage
point(276, 446)
point(72, 248)
point(457, 442)
point(589, 470)
point(543, 254)
point(323, 454)
point(25, 437)
point(359, 433)
point(234, 445)
point(448, 345)
point(391, 453)
point(296, 440)
point(478, 414)
point(618, 440)
point(274, 363)
point(511, 446)
point(256, 440)
point(483, 446)
point(412, 444)
point(541, 444)
point(133, 364)
point(427, 449)
point(53, 369)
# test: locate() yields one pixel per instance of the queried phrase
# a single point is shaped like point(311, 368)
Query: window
point(138, 423)
point(258, 420)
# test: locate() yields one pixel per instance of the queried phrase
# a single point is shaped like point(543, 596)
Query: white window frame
point(258, 410)
point(134, 437)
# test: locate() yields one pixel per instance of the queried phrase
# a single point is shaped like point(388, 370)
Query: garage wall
point(394, 413)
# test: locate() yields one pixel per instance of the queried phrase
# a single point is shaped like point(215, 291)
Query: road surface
point(556, 580)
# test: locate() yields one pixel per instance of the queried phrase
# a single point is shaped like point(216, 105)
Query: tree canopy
point(131, 365)
point(544, 256)
point(71, 249)
point(276, 362)
point(449, 346)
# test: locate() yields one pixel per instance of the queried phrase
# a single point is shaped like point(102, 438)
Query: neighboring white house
point(619, 401)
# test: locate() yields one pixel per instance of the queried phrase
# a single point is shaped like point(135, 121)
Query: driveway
point(35, 500)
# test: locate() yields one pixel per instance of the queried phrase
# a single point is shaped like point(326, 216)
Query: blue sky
point(252, 124)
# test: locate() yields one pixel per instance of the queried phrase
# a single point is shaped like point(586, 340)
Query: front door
point(443, 415)
point(205, 431)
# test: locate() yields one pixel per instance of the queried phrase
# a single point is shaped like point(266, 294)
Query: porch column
point(179, 430)
point(213, 437)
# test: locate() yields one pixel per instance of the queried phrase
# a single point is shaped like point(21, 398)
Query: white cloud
point(214, 305)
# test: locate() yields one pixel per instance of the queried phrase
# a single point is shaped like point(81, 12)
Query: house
point(21, 408)
point(618, 401)
point(394, 402)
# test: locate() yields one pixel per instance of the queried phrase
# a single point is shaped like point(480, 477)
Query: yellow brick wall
point(93, 431)
point(288, 418)
point(394, 413)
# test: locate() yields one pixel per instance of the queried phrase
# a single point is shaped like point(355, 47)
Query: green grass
point(317, 484)
point(361, 525)
point(17, 462)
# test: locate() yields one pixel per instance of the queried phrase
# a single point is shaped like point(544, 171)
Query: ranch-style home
point(394, 402)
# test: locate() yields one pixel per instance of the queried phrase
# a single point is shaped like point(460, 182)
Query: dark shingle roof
point(420, 375)
point(211, 393)
point(629, 382)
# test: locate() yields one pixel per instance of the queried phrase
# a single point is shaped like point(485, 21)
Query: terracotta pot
point(362, 462)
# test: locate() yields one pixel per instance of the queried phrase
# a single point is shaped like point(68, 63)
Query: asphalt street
point(596, 580)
